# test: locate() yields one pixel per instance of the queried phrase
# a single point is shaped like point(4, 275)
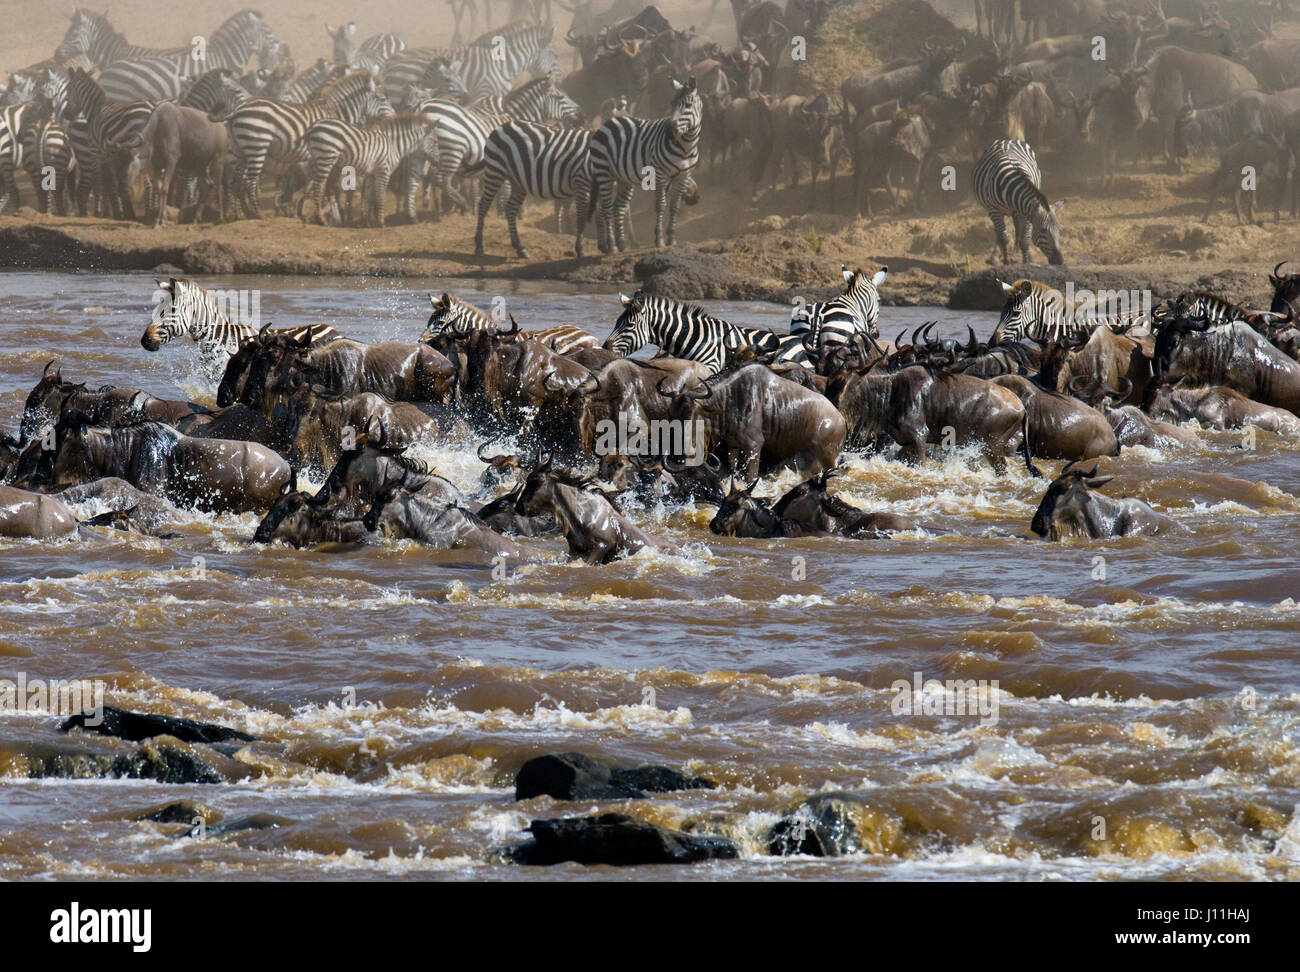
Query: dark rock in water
point(256, 821)
point(658, 779)
point(152, 761)
point(832, 825)
point(616, 839)
point(575, 776)
point(137, 726)
point(181, 811)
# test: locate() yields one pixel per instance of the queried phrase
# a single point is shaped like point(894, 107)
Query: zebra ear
point(627, 301)
point(163, 284)
point(1007, 288)
point(1058, 205)
point(351, 29)
point(433, 302)
point(848, 274)
point(677, 85)
point(880, 276)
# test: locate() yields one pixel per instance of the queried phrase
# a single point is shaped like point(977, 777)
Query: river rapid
point(1151, 684)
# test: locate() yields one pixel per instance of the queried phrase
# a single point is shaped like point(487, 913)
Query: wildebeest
point(182, 141)
point(755, 422)
point(1267, 159)
point(317, 428)
point(400, 514)
point(105, 406)
point(216, 475)
point(1233, 354)
point(811, 504)
point(295, 520)
point(1175, 75)
point(594, 527)
point(1219, 407)
point(26, 515)
point(917, 406)
point(1070, 508)
point(1060, 426)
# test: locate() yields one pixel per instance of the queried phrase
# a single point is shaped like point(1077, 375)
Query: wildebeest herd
point(644, 102)
point(721, 407)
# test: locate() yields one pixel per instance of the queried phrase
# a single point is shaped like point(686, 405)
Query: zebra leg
point(379, 192)
point(605, 220)
point(1024, 234)
point(674, 201)
point(661, 202)
point(622, 213)
point(1000, 237)
point(513, 205)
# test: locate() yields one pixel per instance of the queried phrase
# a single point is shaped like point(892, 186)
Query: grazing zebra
point(183, 307)
point(538, 160)
point(51, 165)
point(625, 151)
point(1007, 181)
point(683, 331)
point(372, 54)
point(463, 132)
point(1036, 311)
point(844, 318)
point(451, 315)
point(373, 153)
point(263, 128)
point(159, 76)
point(487, 66)
point(97, 130)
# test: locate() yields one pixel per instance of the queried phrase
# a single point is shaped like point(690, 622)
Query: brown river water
point(396, 690)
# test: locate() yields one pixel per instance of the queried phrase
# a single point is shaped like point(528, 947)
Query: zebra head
point(446, 79)
point(632, 330)
point(687, 111)
point(22, 89)
point(451, 315)
point(558, 106)
point(345, 43)
point(85, 35)
point(1047, 229)
point(1030, 307)
point(174, 303)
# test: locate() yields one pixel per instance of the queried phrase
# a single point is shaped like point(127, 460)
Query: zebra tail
point(1029, 459)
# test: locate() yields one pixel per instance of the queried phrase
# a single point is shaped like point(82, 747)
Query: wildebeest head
point(44, 402)
point(1286, 291)
point(1172, 327)
point(741, 514)
point(1064, 508)
point(290, 502)
point(498, 467)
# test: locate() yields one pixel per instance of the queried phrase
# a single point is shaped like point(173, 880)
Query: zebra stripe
point(307, 86)
point(92, 37)
point(842, 319)
point(1007, 180)
point(218, 92)
point(1036, 311)
point(537, 160)
point(624, 149)
point(16, 125)
point(263, 128)
point(370, 55)
point(682, 331)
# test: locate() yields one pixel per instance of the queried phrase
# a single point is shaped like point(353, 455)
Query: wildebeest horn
point(1075, 386)
point(708, 390)
point(48, 367)
point(514, 328)
point(974, 344)
point(1280, 266)
point(1116, 393)
point(898, 341)
point(659, 387)
point(479, 452)
point(546, 382)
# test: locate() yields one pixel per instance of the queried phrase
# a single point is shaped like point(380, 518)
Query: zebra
point(1036, 311)
point(92, 37)
point(96, 130)
point(372, 54)
point(182, 306)
point(16, 124)
point(48, 156)
point(1007, 180)
point(217, 92)
point(487, 66)
point(463, 132)
point(843, 319)
point(453, 316)
point(625, 151)
point(307, 85)
point(683, 331)
point(162, 75)
point(373, 152)
point(1219, 310)
point(538, 160)
point(21, 89)
point(263, 128)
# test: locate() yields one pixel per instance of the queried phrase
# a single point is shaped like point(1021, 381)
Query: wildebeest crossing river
point(1148, 683)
